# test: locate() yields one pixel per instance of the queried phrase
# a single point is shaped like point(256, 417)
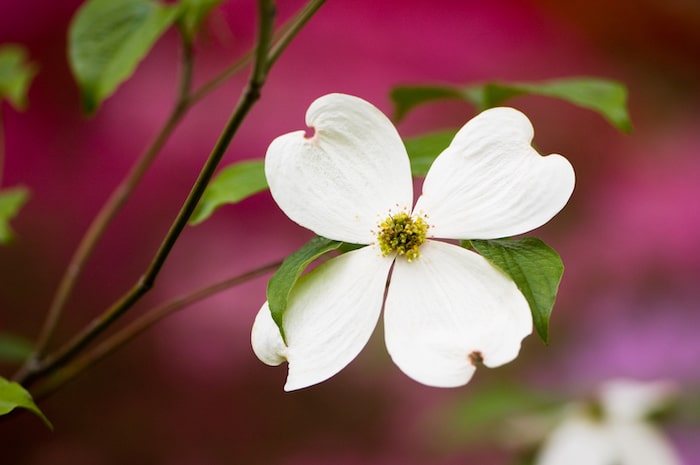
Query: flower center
point(402, 234)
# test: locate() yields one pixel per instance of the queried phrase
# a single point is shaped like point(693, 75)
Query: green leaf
point(107, 40)
point(11, 201)
point(423, 150)
point(606, 97)
point(232, 184)
point(536, 269)
point(489, 95)
point(284, 279)
point(13, 395)
point(193, 13)
point(406, 98)
point(15, 75)
point(14, 349)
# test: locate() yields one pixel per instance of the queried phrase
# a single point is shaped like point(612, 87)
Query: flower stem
point(249, 97)
point(71, 370)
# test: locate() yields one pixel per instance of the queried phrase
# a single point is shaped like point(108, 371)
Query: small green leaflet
point(193, 13)
point(16, 75)
point(13, 395)
point(11, 201)
point(14, 349)
point(423, 150)
point(536, 269)
point(605, 97)
point(408, 97)
point(284, 279)
point(107, 40)
point(232, 184)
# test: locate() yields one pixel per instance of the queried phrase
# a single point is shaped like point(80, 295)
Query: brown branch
point(68, 372)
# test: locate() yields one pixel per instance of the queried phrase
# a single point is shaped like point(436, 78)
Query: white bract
point(618, 434)
point(447, 309)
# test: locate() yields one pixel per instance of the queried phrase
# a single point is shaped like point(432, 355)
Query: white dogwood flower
point(616, 433)
point(447, 309)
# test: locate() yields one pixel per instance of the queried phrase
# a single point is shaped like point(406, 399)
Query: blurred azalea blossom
point(617, 434)
point(447, 309)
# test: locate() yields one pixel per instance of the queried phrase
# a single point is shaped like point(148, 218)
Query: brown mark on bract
point(476, 358)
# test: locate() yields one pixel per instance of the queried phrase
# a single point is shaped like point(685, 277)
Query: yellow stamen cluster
point(402, 234)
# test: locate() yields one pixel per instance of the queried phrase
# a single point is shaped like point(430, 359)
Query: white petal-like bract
point(331, 314)
point(641, 443)
point(448, 308)
point(617, 433)
point(490, 183)
point(579, 441)
point(266, 339)
point(630, 399)
point(342, 181)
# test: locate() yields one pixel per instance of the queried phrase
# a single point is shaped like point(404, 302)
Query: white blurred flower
point(446, 308)
point(618, 434)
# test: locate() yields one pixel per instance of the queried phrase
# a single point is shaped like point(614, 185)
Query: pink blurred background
point(190, 391)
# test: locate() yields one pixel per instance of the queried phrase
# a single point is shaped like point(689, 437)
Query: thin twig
point(219, 79)
point(293, 29)
point(113, 205)
point(68, 372)
point(281, 39)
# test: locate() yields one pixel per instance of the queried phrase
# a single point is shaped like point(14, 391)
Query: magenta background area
point(190, 391)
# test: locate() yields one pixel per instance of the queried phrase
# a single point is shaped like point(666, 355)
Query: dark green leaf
point(284, 279)
point(11, 200)
point(492, 94)
point(608, 98)
point(15, 75)
point(13, 395)
point(536, 269)
point(423, 150)
point(108, 39)
point(349, 247)
point(234, 183)
point(14, 349)
point(193, 13)
point(406, 98)
point(605, 97)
